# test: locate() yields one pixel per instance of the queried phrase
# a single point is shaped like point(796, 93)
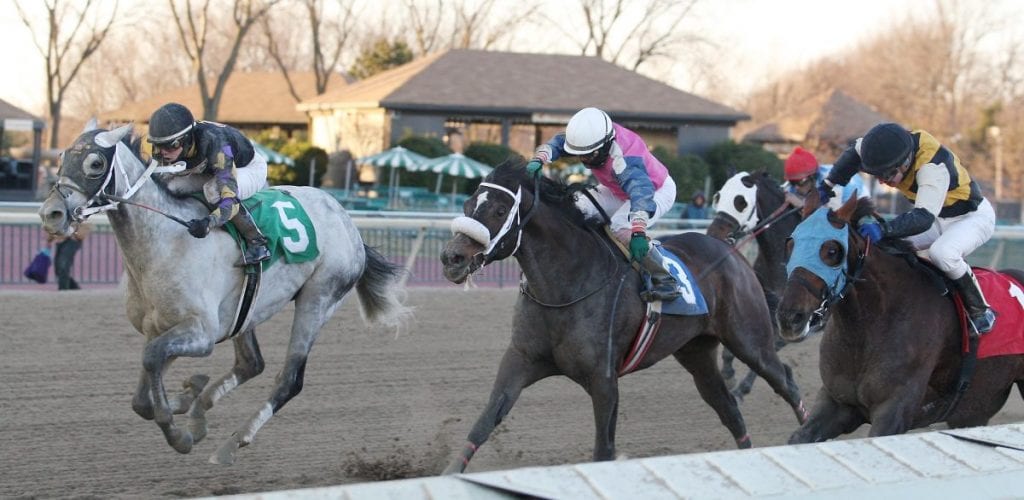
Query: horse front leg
point(828, 419)
point(604, 396)
point(515, 373)
point(248, 364)
point(184, 339)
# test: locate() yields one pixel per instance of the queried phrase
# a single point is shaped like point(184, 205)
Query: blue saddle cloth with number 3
point(691, 301)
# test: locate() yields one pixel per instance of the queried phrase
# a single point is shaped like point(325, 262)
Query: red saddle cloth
point(1006, 296)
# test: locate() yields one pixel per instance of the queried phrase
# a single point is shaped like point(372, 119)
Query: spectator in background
point(64, 256)
point(697, 208)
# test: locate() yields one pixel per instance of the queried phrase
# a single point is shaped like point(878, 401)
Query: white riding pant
point(951, 239)
point(250, 178)
point(619, 210)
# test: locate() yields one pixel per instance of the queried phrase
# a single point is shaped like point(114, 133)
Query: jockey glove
point(824, 191)
point(533, 167)
point(872, 231)
point(199, 227)
point(638, 246)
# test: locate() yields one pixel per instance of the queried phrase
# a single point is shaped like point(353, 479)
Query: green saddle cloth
point(281, 218)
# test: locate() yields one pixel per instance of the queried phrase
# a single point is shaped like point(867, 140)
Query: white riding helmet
point(587, 131)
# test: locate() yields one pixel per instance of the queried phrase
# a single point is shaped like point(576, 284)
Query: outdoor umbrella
point(271, 155)
point(395, 158)
point(456, 165)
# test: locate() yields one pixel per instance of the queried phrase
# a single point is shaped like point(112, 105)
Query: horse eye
point(501, 211)
point(740, 203)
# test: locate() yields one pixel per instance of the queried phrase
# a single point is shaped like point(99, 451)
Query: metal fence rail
point(394, 234)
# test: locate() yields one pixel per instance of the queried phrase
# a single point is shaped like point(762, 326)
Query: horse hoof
point(226, 454)
point(182, 442)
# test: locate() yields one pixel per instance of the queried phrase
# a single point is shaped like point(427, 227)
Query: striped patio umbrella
point(395, 158)
point(456, 165)
point(272, 156)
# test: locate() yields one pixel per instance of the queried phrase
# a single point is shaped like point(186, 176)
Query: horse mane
point(894, 246)
point(554, 193)
point(764, 182)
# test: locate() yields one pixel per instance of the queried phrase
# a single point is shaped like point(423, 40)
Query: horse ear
point(811, 203)
point(111, 137)
point(846, 211)
point(90, 125)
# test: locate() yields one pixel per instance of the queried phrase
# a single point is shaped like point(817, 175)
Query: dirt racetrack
point(374, 406)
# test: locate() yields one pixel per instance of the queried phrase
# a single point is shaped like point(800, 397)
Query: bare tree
point(66, 48)
point(328, 42)
point(622, 39)
point(425, 25)
point(462, 24)
point(193, 29)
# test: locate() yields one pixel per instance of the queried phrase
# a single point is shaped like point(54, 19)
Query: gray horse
point(183, 293)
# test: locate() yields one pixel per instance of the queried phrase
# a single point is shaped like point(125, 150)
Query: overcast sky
point(758, 39)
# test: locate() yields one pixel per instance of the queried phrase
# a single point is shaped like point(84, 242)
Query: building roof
point(831, 117)
point(258, 97)
point(10, 111)
point(476, 81)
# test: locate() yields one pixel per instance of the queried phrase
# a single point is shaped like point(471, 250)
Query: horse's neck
point(143, 234)
point(557, 254)
point(771, 243)
point(883, 289)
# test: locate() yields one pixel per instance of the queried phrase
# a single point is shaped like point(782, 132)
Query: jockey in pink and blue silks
point(634, 187)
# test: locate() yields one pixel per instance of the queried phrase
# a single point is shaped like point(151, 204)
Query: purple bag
point(39, 269)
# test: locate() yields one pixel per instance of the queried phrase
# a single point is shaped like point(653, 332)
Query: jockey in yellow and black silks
point(950, 218)
point(217, 151)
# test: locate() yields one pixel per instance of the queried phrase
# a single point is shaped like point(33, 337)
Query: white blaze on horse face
point(728, 195)
point(480, 200)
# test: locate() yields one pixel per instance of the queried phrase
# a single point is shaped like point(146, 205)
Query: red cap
point(800, 164)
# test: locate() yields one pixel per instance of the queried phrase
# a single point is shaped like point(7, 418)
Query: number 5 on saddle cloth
point(283, 221)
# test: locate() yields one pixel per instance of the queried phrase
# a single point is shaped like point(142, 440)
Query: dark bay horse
point(182, 292)
point(891, 351)
point(754, 206)
point(580, 306)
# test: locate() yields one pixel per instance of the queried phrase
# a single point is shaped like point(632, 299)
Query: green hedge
point(689, 172)
point(727, 158)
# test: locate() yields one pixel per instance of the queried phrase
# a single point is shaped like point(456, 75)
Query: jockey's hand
point(533, 168)
point(638, 246)
point(824, 191)
point(199, 227)
point(871, 231)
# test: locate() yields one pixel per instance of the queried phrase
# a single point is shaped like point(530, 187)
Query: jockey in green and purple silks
point(216, 150)
point(635, 188)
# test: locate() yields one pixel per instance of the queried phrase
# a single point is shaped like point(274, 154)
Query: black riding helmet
point(886, 147)
point(170, 126)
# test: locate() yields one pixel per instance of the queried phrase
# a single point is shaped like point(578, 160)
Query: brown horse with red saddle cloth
point(895, 352)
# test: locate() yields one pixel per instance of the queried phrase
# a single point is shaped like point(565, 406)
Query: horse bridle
point(830, 294)
point(101, 200)
point(741, 234)
point(476, 231)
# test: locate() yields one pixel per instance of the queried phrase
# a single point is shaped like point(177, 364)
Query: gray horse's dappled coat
point(183, 292)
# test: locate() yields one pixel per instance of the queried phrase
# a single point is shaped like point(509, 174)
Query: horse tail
point(381, 291)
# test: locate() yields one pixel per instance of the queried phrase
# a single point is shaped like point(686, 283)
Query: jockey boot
point(255, 243)
point(981, 314)
point(663, 285)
